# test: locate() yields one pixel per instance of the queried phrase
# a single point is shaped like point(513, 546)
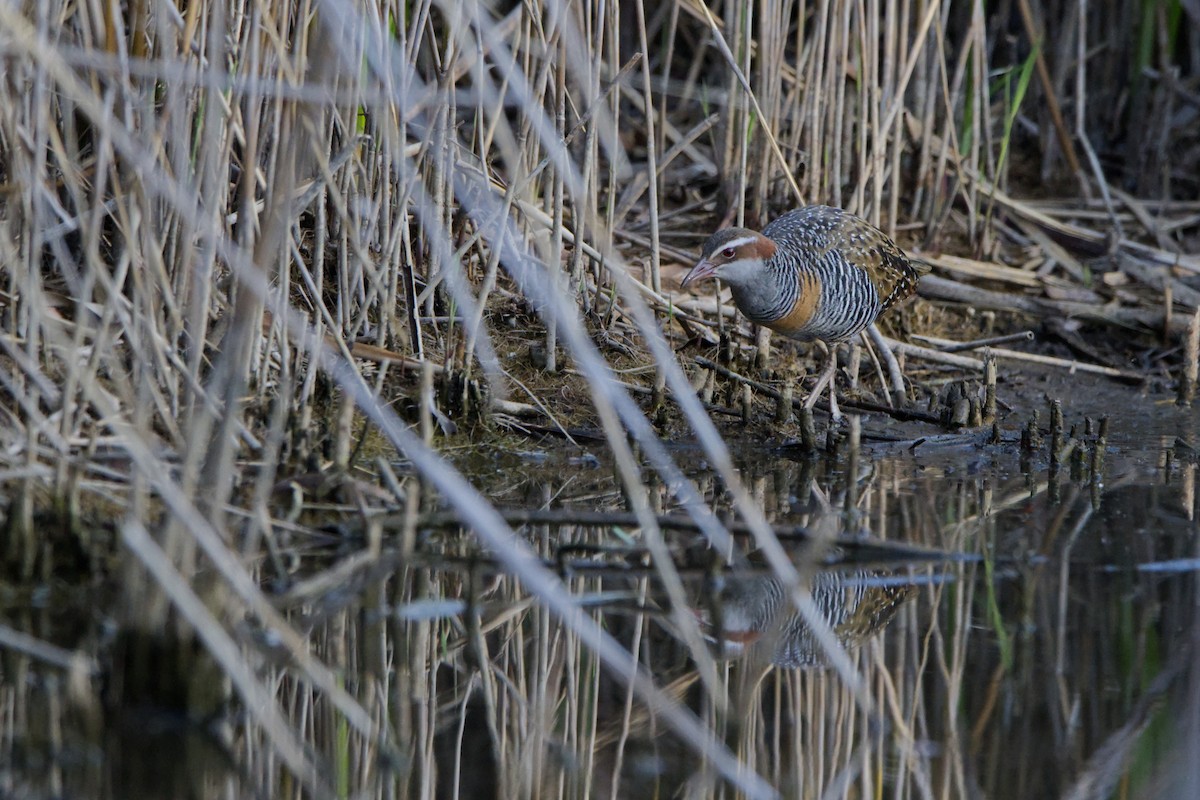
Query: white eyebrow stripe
point(736, 243)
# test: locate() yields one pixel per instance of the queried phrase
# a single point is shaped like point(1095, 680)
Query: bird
point(816, 273)
point(757, 619)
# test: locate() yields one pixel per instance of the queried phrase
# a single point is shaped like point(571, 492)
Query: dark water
point(1043, 645)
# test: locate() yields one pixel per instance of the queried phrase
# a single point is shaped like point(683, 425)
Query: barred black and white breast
point(814, 273)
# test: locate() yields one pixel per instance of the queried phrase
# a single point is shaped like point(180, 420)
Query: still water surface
point(1044, 644)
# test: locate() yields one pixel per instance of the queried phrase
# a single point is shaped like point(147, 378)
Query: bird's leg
point(835, 414)
point(894, 371)
point(852, 366)
point(826, 379)
point(874, 356)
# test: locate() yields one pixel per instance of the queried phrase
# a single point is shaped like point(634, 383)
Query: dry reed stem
point(201, 207)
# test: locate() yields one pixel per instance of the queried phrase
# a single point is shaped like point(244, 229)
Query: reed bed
point(479, 689)
point(260, 256)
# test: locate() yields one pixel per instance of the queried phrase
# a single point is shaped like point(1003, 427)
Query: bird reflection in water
point(752, 616)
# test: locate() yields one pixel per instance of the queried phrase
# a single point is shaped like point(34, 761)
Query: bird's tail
point(922, 266)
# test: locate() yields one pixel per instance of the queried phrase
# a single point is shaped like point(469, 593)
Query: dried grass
point(211, 213)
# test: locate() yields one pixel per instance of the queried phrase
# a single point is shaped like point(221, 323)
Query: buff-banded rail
point(758, 620)
point(814, 274)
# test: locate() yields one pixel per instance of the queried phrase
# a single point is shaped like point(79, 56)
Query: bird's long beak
point(702, 270)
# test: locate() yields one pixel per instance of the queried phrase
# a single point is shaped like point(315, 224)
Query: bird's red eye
point(728, 252)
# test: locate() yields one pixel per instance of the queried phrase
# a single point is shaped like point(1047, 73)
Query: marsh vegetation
point(359, 440)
